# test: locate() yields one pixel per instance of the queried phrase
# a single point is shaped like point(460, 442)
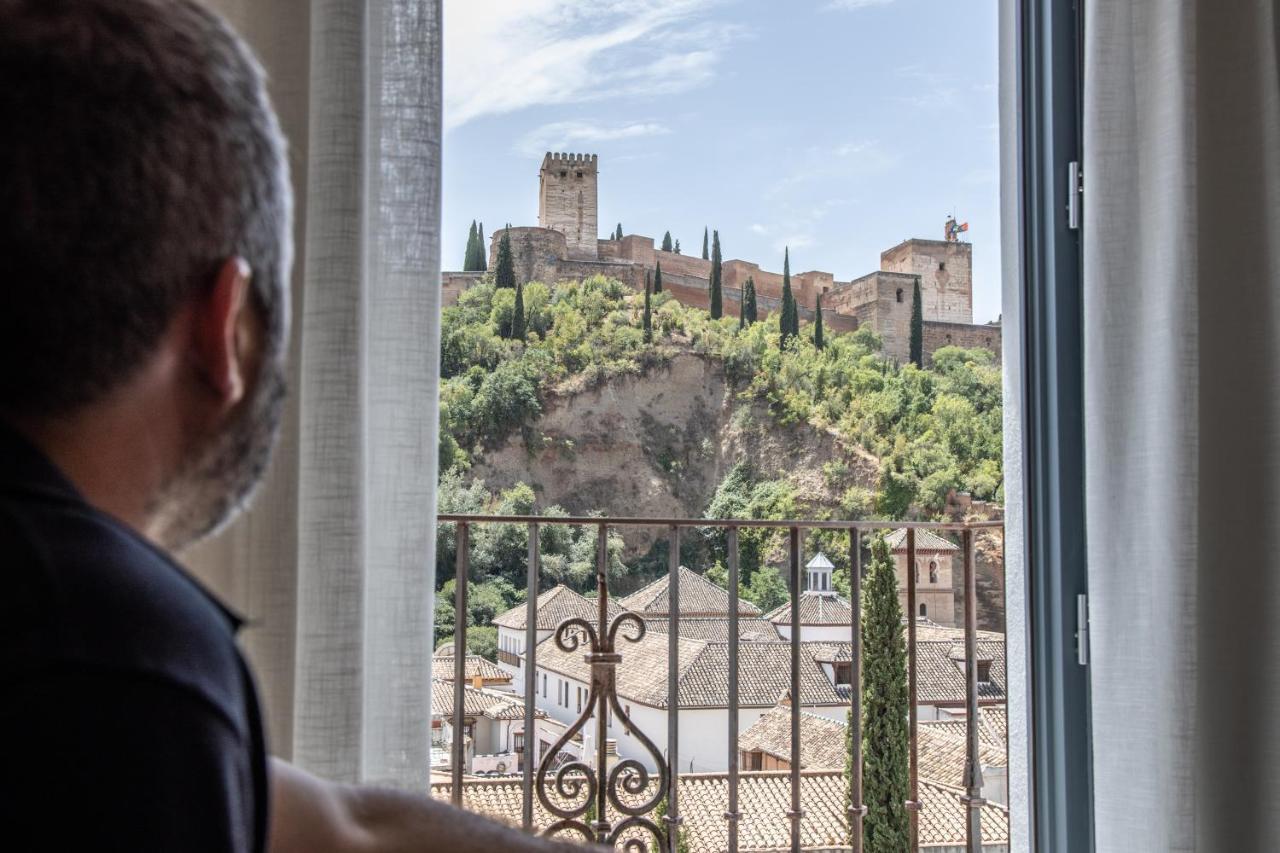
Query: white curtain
point(1182, 409)
point(334, 565)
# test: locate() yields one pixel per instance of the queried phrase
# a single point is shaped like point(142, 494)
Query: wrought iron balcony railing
point(608, 802)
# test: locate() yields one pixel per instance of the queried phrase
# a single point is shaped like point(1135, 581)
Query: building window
point(755, 760)
point(518, 741)
point(984, 672)
point(564, 174)
point(924, 611)
point(579, 174)
point(942, 265)
point(933, 571)
point(844, 674)
point(544, 685)
point(579, 700)
point(899, 294)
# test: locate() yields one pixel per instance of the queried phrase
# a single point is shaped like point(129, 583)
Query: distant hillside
point(708, 419)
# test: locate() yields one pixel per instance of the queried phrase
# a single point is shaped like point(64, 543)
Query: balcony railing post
point(856, 808)
point(461, 571)
point(795, 813)
point(530, 676)
point(973, 763)
point(673, 689)
point(602, 688)
point(732, 815)
point(913, 789)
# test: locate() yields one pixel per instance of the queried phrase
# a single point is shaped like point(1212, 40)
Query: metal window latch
point(1082, 629)
point(1075, 194)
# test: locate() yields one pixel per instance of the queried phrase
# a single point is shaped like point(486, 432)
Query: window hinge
point(1082, 629)
point(1075, 194)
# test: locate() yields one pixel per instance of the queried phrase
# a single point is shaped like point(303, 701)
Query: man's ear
point(215, 323)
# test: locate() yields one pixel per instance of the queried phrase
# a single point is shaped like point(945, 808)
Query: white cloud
point(569, 135)
point(506, 55)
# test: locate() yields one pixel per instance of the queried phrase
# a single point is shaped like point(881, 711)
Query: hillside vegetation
point(831, 432)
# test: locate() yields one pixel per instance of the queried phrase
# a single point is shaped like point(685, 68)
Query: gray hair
point(138, 151)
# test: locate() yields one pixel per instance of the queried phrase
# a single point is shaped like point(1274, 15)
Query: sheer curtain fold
point(1182, 362)
point(334, 565)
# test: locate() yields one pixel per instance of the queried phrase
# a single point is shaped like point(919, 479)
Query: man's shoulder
point(83, 593)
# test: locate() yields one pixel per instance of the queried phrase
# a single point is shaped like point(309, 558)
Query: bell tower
point(567, 201)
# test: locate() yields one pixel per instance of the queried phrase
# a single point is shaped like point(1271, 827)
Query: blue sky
point(838, 127)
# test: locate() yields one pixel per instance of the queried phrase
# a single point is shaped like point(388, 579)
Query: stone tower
point(946, 275)
point(567, 201)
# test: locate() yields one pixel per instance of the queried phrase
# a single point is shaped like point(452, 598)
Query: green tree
point(705, 255)
point(884, 708)
point(617, 235)
point(666, 242)
point(917, 326)
point(648, 313)
point(766, 589)
point(473, 242)
point(749, 313)
point(788, 303)
point(517, 315)
point(484, 251)
point(817, 324)
point(504, 270)
point(657, 277)
point(717, 287)
point(677, 247)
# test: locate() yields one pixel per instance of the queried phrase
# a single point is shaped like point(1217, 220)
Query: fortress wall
point(682, 264)
point(453, 283)
point(536, 252)
point(938, 335)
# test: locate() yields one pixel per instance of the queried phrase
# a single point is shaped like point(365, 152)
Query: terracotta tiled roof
point(554, 606)
point(993, 733)
point(928, 630)
point(942, 752)
point(764, 667)
point(475, 665)
point(816, 608)
point(717, 628)
point(939, 675)
point(822, 744)
point(698, 597)
point(493, 704)
point(926, 540)
point(763, 801)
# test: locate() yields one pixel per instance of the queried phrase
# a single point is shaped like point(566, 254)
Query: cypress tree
point(788, 304)
point(717, 286)
point(504, 270)
point(749, 301)
point(705, 256)
point(817, 325)
point(917, 326)
point(517, 315)
point(677, 247)
point(617, 235)
point(483, 251)
point(469, 257)
point(657, 277)
point(648, 313)
point(884, 708)
point(666, 242)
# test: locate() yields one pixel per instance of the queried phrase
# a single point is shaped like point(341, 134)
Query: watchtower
point(567, 191)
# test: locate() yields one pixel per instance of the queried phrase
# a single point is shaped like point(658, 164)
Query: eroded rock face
point(658, 445)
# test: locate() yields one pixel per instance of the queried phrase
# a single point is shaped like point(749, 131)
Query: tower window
point(933, 571)
point(942, 265)
point(924, 611)
point(579, 174)
point(564, 174)
point(899, 294)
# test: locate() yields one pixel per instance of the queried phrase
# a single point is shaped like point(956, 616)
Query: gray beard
point(220, 476)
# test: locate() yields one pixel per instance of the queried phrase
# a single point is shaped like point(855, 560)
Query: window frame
point(1049, 85)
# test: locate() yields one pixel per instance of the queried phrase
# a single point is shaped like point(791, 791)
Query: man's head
point(145, 217)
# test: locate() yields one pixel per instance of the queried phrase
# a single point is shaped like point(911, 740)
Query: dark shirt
point(128, 718)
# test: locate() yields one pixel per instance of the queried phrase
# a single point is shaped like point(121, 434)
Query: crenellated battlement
point(553, 158)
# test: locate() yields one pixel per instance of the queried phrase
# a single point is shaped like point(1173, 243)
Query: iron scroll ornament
point(629, 774)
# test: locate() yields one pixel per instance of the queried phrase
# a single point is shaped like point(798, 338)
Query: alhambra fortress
point(565, 246)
